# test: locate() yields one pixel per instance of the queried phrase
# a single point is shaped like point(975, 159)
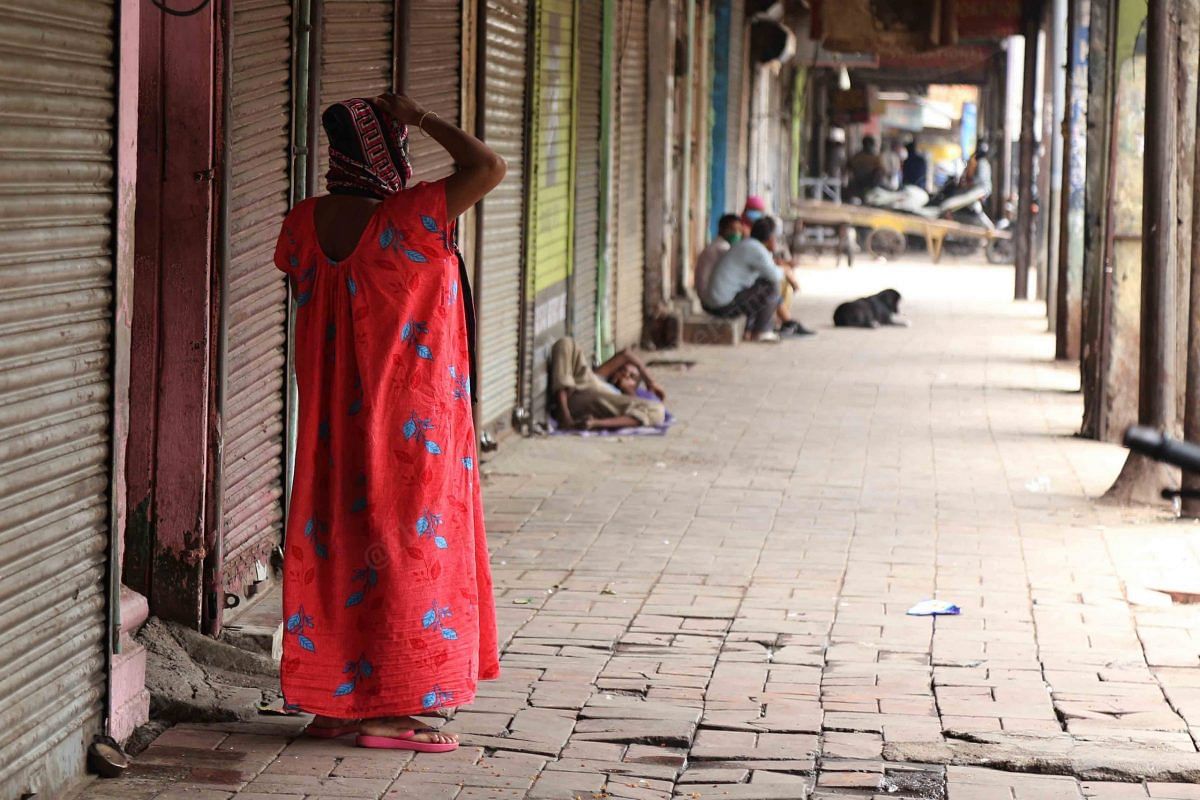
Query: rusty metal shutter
point(506, 25)
point(253, 417)
point(629, 172)
point(356, 57)
point(57, 107)
point(551, 200)
point(433, 65)
point(587, 174)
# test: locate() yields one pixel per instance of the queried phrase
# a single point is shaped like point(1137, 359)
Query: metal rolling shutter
point(260, 141)
point(736, 120)
point(433, 66)
point(587, 175)
point(629, 172)
point(499, 292)
point(57, 85)
point(356, 57)
point(552, 198)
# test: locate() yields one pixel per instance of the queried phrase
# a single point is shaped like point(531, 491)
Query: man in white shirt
point(746, 283)
point(729, 233)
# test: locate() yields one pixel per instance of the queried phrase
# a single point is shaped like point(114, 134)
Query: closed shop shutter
point(552, 196)
point(499, 293)
point(356, 57)
point(253, 417)
point(433, 65)
point(629, 172)
point(738, 102)
point(587, 174)
point(57, 108)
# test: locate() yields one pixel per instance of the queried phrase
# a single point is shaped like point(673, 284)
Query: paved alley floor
point(720, 613)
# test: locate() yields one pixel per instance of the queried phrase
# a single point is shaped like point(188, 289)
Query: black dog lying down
point(870, 312)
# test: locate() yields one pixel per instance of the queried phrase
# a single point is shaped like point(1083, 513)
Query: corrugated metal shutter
point(260, 141)
point(499, 293)
point(629, 172)
point(356, 57)
point(736, 141)
point(433, 67)
point(587, 174)
point(552, 197)
point(57, 85)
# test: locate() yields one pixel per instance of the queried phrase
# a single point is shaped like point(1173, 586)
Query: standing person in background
point(915, 171)
point(387, 592)
point(893, 162)
point(866, 168)
point(729, 233)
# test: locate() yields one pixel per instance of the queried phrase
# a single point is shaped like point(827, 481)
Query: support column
point(1024, 229)
point(1191, 415)
point(1142, 479)
point(1056, 44)
point(1068, 330)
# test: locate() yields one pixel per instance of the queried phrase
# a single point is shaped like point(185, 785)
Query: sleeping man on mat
point(606, 397)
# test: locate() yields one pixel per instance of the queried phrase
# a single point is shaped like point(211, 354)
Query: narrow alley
point(720, 613)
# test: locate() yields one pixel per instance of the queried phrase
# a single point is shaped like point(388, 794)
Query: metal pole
point(1024, 230)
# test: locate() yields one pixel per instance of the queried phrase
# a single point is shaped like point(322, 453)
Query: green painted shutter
point(551, 184)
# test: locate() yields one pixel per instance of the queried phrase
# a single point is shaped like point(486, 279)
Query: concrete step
point(705, 329)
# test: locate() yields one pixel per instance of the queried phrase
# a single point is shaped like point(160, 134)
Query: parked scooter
point(1161, 447)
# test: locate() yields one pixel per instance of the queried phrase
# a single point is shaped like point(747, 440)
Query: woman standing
point(387, 592)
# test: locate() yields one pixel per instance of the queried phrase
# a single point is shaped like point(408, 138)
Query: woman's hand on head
point(402, 107)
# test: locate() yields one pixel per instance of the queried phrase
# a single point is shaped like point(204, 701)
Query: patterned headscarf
point(368, 150)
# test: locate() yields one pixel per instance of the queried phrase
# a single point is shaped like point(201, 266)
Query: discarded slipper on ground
point(405, 742)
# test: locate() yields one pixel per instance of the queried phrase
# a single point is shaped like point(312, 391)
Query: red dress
point(387, 592)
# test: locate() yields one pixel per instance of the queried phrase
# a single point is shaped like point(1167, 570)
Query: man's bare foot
point(399, 727)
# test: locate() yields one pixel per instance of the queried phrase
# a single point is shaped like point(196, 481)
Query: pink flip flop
point(330, 731)
point(405, 742)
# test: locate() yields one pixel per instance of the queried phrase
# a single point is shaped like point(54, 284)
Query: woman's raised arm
point(479, 168)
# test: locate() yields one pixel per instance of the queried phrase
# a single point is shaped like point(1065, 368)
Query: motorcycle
point(1161, 447)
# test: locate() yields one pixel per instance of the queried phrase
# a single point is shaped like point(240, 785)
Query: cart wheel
point(885, 243)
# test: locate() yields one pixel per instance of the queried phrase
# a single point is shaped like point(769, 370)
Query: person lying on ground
point(729, 233)
point(604, 398)
point(746, 282)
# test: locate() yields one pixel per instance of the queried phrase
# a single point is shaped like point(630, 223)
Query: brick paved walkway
point(720, 613)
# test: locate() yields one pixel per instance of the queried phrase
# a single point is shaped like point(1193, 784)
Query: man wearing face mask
point(729, 233)
point(756, 209)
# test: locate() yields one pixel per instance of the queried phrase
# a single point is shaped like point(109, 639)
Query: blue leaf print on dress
point(302, 299)
point(418, 428)
point(411, 334)
point(368, 577)
point(359, 504)
point(385, 238)
point(430, 223)
point(351, 286)
point(468, 463)
point(436, 617)
point(313, 530)
point(358, 671)
point(462, 384)
point(436, 697)
point(413, 255)
point(428, 524)
point(296, 625)
point(453, 293)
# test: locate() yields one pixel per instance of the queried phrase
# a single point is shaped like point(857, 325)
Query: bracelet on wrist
point(421, 122)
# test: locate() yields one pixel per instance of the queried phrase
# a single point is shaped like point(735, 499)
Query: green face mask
point(733, 238)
